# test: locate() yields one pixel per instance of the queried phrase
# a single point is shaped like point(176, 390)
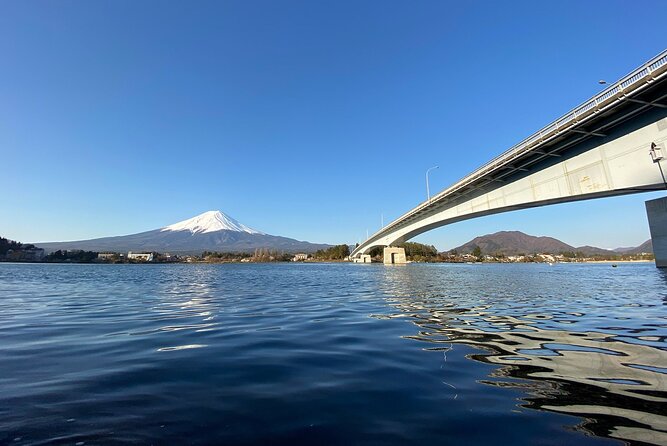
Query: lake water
point(333, 354)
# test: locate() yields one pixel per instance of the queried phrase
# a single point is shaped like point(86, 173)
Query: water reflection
point(662, 273)
point(187, 301)
point(599, 353)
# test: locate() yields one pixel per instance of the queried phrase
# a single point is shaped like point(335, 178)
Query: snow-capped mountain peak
point(210, 221)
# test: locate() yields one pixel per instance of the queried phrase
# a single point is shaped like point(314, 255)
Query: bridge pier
point(656, 210)
point(363, 258)
point(394, 256)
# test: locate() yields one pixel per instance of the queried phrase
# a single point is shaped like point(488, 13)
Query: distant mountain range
point(515, 242)
point(215, 231)
point(210, 231)
point(647, 246)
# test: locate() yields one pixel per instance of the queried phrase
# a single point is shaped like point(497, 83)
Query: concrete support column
point(363, 258)
point(657, 222)
point(394, 256)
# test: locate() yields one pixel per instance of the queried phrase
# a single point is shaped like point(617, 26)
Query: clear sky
point(123, 116)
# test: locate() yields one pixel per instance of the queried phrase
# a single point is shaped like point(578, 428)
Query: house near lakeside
point(142, 256)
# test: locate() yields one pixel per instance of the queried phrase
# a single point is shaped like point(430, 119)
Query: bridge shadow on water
point(578, 340)
point(662, 273)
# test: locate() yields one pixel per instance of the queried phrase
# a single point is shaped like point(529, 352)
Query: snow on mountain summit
point(210, 221)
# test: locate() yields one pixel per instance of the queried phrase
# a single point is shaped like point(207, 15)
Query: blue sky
point(121, 116)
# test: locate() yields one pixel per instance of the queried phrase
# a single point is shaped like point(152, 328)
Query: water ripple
point(332, 354)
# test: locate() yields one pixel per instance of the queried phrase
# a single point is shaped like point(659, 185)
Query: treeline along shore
point(12, 251)
point(418, 252)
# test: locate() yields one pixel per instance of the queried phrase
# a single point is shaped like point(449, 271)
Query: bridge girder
point(624, 133)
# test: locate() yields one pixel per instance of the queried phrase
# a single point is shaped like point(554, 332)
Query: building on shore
point(142, 256)
point(300, 257)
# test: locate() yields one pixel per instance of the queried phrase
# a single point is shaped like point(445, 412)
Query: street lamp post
point(657, 156)
point(428, 192)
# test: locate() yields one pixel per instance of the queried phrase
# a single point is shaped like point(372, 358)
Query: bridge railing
point(627, 84)
point(635, 80)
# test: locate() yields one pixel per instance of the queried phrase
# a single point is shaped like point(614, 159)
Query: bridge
point(612, 144)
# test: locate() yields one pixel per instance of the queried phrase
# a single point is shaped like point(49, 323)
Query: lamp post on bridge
point(657, 156)
point(428, 192)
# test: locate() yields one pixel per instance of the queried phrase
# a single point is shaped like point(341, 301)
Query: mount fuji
point(210, 231)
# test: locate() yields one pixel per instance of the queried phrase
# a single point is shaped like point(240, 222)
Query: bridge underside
point(607, 160)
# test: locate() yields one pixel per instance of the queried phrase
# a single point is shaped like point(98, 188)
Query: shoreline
point(320, 262)
point(617, 261)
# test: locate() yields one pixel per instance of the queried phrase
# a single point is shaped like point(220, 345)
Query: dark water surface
point(333, 354)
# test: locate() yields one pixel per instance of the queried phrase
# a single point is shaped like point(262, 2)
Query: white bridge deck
point(619, 102)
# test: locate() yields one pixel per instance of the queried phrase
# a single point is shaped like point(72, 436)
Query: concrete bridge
point(612, 144)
